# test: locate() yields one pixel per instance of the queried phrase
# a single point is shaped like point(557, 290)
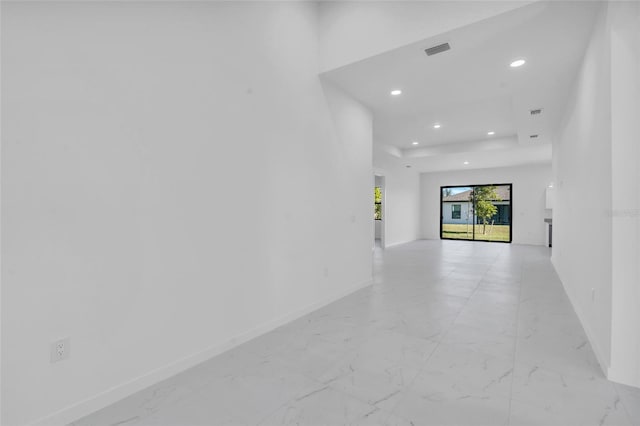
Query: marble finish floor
point(450, 333)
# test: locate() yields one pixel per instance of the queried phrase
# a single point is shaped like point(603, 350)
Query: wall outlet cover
point(60, 350)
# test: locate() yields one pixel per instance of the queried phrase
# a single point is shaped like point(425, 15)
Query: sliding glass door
point(476, 212)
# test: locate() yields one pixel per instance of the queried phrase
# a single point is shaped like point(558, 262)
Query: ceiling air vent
point(536, 111)
point(533, 136)
point(437, 49)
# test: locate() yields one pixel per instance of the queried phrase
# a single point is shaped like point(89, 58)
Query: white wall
point(354, 30)
point(582, 165)
point(625, 156)
point(401, 204)
point(167, 168)
point(528, 198)
point(597, 153)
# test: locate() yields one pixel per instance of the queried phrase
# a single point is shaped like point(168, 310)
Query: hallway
point(451, 332)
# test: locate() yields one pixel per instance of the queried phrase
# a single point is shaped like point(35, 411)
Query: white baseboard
point(604, 366)
point(114, 394)
point(623, 378)
point(399, 243)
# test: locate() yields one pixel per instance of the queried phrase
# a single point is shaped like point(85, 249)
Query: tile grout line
point(621, 402)
point(392, 410)
point(629, 415)
point(439, 340)
point(515, 343)
point(499, 277)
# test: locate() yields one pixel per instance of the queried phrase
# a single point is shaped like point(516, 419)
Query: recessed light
point(465, 163)
point(414, 143)
point(491, 133)
point(436, 126)
point(396, 92)
point(517, 63)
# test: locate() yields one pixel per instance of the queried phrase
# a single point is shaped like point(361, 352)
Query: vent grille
point(437, 49)
point(536, 111)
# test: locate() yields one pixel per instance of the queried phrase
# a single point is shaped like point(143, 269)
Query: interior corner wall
point(582, 232)
point(355, 30)
point(168, 171)
point(528, 193)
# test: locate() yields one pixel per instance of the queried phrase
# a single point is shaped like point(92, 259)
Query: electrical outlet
point(60, 350)
point(326, 272)
point(593, 295)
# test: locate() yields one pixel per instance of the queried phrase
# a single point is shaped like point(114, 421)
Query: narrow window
point(377, 203)
point(456, 211)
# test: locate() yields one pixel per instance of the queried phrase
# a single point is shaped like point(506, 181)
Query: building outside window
point(456, 211)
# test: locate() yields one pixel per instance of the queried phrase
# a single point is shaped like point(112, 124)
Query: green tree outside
point(377, 203)
point(483, 197)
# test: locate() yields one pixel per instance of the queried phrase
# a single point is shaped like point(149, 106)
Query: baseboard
point(620, 377)
point(399, 243)
point(610, 372)
point(604, 366)
point(110, 396)
point(516, 242)
point(529, 243)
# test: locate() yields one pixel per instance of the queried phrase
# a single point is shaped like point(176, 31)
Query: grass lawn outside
point(465, 232)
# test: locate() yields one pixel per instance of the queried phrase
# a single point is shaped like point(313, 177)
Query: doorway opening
point(379, 214)
point(476, 212)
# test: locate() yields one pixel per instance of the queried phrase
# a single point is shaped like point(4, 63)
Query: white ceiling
point(471, 89)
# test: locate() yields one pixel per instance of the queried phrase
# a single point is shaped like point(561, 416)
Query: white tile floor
point(451, 333)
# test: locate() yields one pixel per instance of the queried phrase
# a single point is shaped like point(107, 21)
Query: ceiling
point(471, 89)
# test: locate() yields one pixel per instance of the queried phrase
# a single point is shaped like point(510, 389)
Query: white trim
point(400, 242)
point(114, 394)
point(585, 325)
point(622, 377)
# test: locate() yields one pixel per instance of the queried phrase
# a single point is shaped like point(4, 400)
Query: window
point(456, 211)
point(476, 212)
point(377, 203)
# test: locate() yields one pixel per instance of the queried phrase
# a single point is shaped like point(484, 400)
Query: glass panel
point(492, 209)
point(456, 213)
point(476, 212)
point(377, 195)
point(377, 212)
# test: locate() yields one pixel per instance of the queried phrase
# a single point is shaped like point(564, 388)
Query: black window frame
point(510, 185)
